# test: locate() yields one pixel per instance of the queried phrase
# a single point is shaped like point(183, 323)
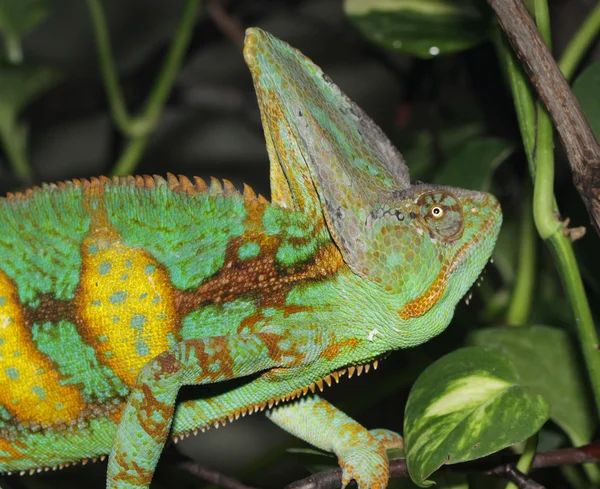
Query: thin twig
point(580, 144)
point(518, 478)
point(212, 476)
point(227, 24)
point(497, 465)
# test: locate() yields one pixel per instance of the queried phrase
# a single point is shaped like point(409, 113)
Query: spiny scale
point(176, 183)
point(60, 466)
point(320, 384)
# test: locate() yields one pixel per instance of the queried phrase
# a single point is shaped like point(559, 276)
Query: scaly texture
point(115, 294)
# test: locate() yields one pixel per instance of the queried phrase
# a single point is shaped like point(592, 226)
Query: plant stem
point(543, 194)
point(13, 141)
point(131, 155)
point(524, 463)
point(571, 278)
point(139, 128)
point(520, 304)
point(580, 43)
point(159, 93)
point(521, 91)
point(560, 245)
point(116, 100)
point(549, 229)
point(163, 85)
point(14, 49)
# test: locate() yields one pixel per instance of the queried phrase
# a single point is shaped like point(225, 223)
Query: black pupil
point(436, 211)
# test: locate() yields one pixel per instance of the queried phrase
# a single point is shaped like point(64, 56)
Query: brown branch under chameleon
point(518, 478)
point(212, 476)
point(498, 465)
point(581, 146)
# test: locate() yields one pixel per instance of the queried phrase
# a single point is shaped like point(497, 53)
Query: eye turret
point(440, 213)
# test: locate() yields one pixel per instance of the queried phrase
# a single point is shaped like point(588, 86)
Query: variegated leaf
point(548, 363)
point(467, 405)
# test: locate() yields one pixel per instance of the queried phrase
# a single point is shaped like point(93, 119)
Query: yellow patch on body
point(31, 388)
point(126, 302)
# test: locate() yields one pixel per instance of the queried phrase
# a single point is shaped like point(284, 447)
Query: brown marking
point(249, 324)
point(260, 276)
point(147, 411)
point(50, 309)
point(276, 353)
point(131, 472)
point(333, 349)
point(15, 449)
point(167, 364)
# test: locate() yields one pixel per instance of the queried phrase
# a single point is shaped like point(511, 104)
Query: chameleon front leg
point(147, 417)
point(361, 453)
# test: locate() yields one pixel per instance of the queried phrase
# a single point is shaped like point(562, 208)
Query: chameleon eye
point(437, 212)
point(441, 214)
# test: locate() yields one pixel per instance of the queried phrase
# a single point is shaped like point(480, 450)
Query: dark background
point(211, 126)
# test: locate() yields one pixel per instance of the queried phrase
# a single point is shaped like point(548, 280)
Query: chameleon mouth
point(320, 384)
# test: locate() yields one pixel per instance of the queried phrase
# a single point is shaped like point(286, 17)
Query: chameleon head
point(427, 244)
point(417, 246)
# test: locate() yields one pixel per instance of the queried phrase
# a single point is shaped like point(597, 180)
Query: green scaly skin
point(116, 293)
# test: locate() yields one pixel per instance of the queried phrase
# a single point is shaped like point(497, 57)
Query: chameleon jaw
point(422, 304)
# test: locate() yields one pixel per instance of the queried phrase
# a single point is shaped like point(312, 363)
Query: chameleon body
point(115, 293)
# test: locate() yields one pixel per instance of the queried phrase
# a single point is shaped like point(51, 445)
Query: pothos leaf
point(546, 362)
point(586, 89)
point(423, 28)
point(467, 405)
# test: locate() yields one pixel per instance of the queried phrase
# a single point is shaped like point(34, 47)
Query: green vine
point(139, 128)
point(538, 142)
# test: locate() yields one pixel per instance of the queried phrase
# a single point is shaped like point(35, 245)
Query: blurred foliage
point(430, 76)
point(17, 17)
point(424, 28)
point(586, 90)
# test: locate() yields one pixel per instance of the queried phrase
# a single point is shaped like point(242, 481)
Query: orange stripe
point(30, 387)
point(422, 304)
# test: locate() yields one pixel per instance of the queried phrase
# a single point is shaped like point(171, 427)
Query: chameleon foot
point(366, 462)
point(390, 439)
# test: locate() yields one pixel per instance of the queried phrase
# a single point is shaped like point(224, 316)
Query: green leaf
point(546, 362)
point(17, 17)
point(418, 147)
point(309, 451)
point(472, 167)
point(20, 84)
point(467, 405)
point(423, 28)
point(586, 89)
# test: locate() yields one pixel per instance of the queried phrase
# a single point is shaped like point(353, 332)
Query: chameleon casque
point(114, 293)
